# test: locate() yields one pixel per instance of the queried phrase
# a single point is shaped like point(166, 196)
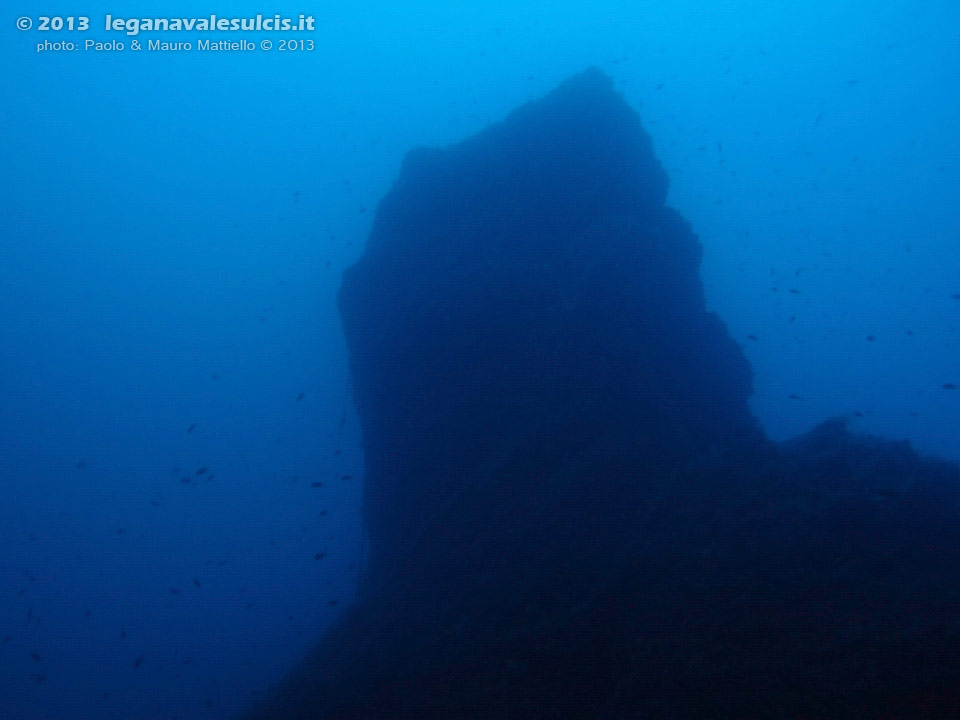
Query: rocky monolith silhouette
point(571, 510)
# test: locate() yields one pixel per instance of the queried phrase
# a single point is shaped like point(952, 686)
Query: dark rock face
point(570, 508)
point(529, 291)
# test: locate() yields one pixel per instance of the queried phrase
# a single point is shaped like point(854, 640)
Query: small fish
point(819, 118)
point(751, 337)
point(316, 484)
point(956, 296)
point(191, 428)
point(36, 657)
point(196, 583)
point(949, 386)
point(81, 465)
point(871, 338)
point(794, 397)
point(299, 397)
point(201, 470)
point(319, 556)
point(138, 662)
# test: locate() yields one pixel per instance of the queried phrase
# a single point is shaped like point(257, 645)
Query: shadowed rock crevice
point(571, 510)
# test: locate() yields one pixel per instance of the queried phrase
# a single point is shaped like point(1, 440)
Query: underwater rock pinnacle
point(572, 512)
